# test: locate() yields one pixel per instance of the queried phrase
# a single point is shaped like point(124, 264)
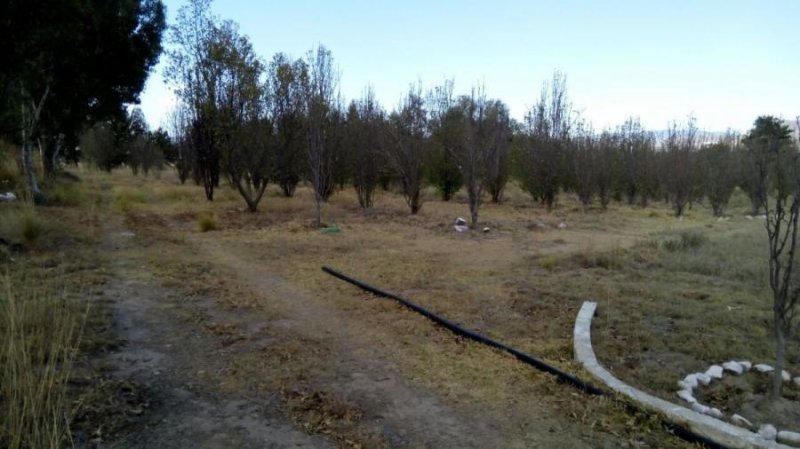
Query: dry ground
point(236, 335)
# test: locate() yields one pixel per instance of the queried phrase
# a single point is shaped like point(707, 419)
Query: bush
point(31, 227)
point(207, 224)
point(548, 262)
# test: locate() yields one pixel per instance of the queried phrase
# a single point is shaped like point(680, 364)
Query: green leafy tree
point(47, 48)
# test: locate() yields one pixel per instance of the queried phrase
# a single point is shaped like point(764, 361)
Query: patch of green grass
point(127, 199)
point(685, 240)
point(207, 224)
point(31, 226)
point(548, 262)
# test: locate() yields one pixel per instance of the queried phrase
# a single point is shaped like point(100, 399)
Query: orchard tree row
point(251, 122)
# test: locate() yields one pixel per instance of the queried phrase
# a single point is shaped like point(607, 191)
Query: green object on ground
point(331, 230)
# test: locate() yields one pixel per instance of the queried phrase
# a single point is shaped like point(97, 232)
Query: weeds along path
point(168, 353)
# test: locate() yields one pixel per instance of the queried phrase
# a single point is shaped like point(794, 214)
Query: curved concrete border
point(715, 430)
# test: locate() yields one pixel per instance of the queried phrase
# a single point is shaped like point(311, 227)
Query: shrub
point(207, 224)
point(548, 262)
point(31, 227)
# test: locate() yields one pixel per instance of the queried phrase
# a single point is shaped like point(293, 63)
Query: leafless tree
point(717, 168)
point(405, 152)
point(584, 163)
point(605, 167)
point(679, 152)
point(548, 125)
point(778, 171)
point(637, 174)
point(320, 101)
point(498, 149)
point(472, 149)
point(364, 129)
point(195, 77)
point(178, 125)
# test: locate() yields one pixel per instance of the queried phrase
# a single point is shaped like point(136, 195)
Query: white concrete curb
point(715, 430)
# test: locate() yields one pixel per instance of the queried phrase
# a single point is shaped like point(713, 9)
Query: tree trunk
point(780, 359)
point(318, 201)
point(30, 118)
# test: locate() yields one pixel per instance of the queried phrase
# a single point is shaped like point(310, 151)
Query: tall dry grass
point(39, 335)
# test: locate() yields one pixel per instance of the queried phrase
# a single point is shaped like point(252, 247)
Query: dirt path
point(169, 356)
point(398, 414)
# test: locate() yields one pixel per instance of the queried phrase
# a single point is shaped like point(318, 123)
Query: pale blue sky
point(725, 62)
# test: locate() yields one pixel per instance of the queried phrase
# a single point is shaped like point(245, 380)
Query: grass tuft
point(207, 224)
point(39, 334)
point(685, 240)
point(31, 226)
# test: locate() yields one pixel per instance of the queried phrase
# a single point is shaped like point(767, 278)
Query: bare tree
point(364, 128)
point(499, 137)
point(445, 131)
point(472, 151)
point(406, 151)
point(196, 78)
point(605, 166)
point(548, 125)
point(637, 175)
point(584, 161)
point(679, 149)
point(320, 101)
point(717, 168)
point(183, 157)
point(778, 172)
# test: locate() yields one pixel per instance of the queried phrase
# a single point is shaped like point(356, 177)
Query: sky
point(723, 62)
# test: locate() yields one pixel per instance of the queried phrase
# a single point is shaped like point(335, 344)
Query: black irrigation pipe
point(561, 376)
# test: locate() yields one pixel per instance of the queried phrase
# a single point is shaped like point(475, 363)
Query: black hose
point(466, 333)
point(561, 376)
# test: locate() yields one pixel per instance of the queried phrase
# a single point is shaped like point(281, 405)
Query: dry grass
point(40, 331)
point(674, 295)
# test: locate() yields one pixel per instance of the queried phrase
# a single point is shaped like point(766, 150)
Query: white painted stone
point(687, 396)
point(719, 432)
point(764, 368)
point(745, 364)
point(460, 228)
point(684, 386)
point(715, 413)
point(690, 380)
point(562, 225)
point(797, 381)
point(734, 367)
point(703, 378)
point(786, 437)
point(741, 421)
point(700, 408)
point(714, 371)
point(786, 376)
point(768, 432)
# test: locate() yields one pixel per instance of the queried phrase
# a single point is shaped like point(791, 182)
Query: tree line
point(250, 122)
